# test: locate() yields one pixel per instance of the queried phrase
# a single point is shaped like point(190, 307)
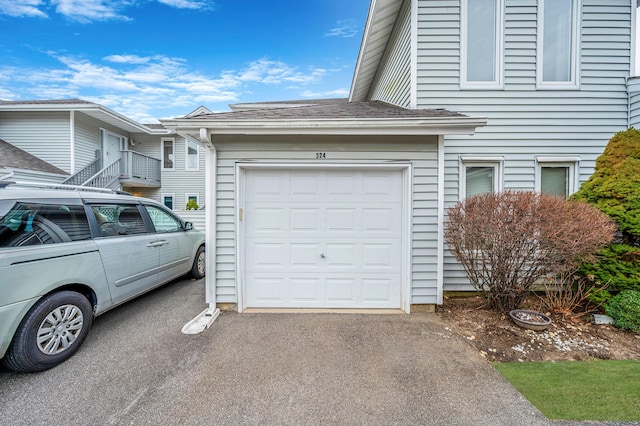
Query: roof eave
point(380, 21)
point(402, 126)
point(94, 110)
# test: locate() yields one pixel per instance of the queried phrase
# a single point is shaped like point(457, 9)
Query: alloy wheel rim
point(201, 263)
point(60, 329)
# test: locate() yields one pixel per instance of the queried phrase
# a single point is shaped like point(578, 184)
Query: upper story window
point(557, 43)
point(168, 157)
point(192, 155)
point(556, 176)
point(479, 176)
point(482, 44)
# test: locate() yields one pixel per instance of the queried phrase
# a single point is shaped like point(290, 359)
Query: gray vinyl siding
point(393, 84)
point(87, 139)
point(178, 181)
point(525, 122)
point(634, 102)
point(420, 152)
point(46, 135)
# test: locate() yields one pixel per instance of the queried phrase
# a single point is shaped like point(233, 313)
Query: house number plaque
point(321, 155)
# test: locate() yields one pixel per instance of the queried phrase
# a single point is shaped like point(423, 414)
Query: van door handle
point(158, 243)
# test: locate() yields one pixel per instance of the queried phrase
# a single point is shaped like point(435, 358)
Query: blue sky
point(150, 59)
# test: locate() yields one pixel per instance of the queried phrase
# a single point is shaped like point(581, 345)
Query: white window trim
point(162, 141)
point(573, 163)
point(498, 83)
point(191, 194)
point(168, 194)
point(574, 83)
point(496, 162)
point(186, 157)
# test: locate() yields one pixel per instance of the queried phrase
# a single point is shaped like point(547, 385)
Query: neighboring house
point(19, 165)
point(94, 146)
point(341, 203)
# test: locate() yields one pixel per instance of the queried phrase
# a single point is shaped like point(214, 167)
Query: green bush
point(192, 205)
point(624, 308)
point(616, 267)
point(614, 187)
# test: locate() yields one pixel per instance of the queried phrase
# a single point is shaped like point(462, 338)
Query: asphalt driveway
point(137, 368)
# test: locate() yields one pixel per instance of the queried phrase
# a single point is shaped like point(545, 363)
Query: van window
point(119, 219)
point(26, 224)
point(163, 221)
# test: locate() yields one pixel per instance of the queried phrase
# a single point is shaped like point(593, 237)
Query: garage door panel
point(269, 291)
point(306, 290)
point(263, 255)
point(341, 291)
point(381, 220)
point(328, 239)
point(268, 220)
point(380, 256)
point(304, 255)
point(341, 220)
point(305, 220)
point(341, 255)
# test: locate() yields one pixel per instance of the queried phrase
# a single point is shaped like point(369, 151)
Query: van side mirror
point(188, 226)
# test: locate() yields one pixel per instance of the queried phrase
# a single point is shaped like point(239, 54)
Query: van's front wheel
point(51, 332)
point(198, 269)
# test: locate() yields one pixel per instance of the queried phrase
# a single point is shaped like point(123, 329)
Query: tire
point(198, 270)
point(37, 345)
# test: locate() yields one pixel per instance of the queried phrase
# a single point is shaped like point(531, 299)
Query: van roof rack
point(6, 183)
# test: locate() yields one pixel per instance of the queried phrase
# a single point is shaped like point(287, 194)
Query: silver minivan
point(67, 256)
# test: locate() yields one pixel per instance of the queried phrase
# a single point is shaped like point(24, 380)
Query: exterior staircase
point(132, 169)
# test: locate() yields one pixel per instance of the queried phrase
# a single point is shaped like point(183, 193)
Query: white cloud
point(338, 93)
point(276, 72)
point(345, 28)
point(126, 59)
point(22, 8)
point(137, 85)
point(85, 11)
point(188, 4)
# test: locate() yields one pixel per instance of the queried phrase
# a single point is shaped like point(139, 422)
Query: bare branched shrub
point(507, 241)
point(569, 294)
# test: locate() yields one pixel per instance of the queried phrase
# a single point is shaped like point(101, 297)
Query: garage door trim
point(406, 182)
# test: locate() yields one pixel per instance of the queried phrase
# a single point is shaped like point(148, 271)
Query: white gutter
point(205, 318)
point(337, 126)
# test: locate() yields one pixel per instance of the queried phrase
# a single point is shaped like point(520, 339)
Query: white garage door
point(323, 238)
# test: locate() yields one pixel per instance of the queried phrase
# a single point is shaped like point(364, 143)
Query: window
point(479, 176)
point(556, 176)
point(482, 47)
point(163, 221)
point(557, 43)
point(167, 200)
point(167, 154)
point(192, 156)
point(25, 224)
point(119, 219)
point(189, 197)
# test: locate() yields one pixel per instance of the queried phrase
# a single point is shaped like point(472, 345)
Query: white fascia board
point(407, 126)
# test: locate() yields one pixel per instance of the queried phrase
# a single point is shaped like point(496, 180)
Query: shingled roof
point(323, 109)
point(324, 116)
point(15, 158)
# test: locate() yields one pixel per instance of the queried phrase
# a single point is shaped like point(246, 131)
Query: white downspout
point(72, 142)
point(209, 315)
